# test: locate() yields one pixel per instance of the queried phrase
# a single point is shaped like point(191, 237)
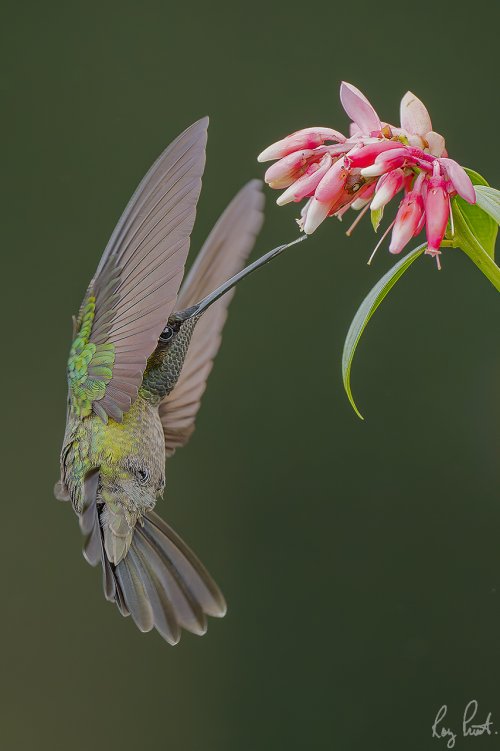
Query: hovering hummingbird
point(141, 353)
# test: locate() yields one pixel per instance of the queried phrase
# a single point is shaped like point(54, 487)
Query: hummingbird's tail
point(160, 582)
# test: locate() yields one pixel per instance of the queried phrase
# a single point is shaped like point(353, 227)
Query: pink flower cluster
point(368, 169)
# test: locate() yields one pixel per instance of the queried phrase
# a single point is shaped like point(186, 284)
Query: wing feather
point(223, 254)
point(137, 280)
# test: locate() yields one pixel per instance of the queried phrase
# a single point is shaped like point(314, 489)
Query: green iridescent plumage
point(90, 366)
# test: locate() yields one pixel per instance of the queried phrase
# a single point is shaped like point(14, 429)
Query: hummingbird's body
point(141, 353)
point(114, 447)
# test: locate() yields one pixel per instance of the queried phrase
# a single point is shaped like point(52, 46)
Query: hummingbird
point(144, 341)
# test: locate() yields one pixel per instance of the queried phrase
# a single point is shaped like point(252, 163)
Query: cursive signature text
point(470, 727)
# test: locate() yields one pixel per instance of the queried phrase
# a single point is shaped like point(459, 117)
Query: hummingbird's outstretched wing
point(136, 283)
point(223, 254)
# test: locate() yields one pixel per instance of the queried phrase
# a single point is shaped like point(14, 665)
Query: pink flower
point(387, 161)
point(387, 187)
point(332, 185)
point(409, 217)
point(366, 153)
point(460, 179)
point(437, 211)
point(368, 168)
point(308, 138)
point(307, 184)
point(290, 168)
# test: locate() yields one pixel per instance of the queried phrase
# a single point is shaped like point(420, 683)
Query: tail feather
point(188, 611)
point(89, 525)
point(163, 612)
point(188, 568)
point(135, 594)
point(93, 552)
point(160, 582)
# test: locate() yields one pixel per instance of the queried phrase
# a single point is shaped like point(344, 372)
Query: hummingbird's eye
point(143, 475)
point(166, 334)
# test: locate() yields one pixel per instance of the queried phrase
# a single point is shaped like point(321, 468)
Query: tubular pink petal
point(387, 187)
point(288, 195)
point(460, 179)
point(403, 151)
point(287, 170)
point(408, 219)
point(307, 184)
point(387, 161)
point(421, 224)
point(336, 151)
point(359, 108)
point(374, 170)
point(357, 204)
point(365, 155)
point(316, 213)
point(437, 208)
point(332, 184)
point(343, 199)
point(307, 138)
point(393, 160)
point(414, 116)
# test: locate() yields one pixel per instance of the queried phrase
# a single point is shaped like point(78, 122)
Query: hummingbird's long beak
point(199, 308)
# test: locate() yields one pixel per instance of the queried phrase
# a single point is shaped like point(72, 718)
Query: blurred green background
point(360, 561)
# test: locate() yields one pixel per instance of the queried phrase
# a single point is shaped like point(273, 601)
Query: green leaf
point(476, 178)
point(489, 200)
point(480, 224)
point(377, 217)
point(466, 240)
point(365, 312)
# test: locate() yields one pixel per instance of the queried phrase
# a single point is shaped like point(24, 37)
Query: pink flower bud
point(407, 221)
point(363, 196)
point(332, 184)
point(290, 168)
point(437, 209)
point(308, 138)
point(387, 187)
point(316, 213)
point(387, 161)
point(365, 155)
point(307, 184)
